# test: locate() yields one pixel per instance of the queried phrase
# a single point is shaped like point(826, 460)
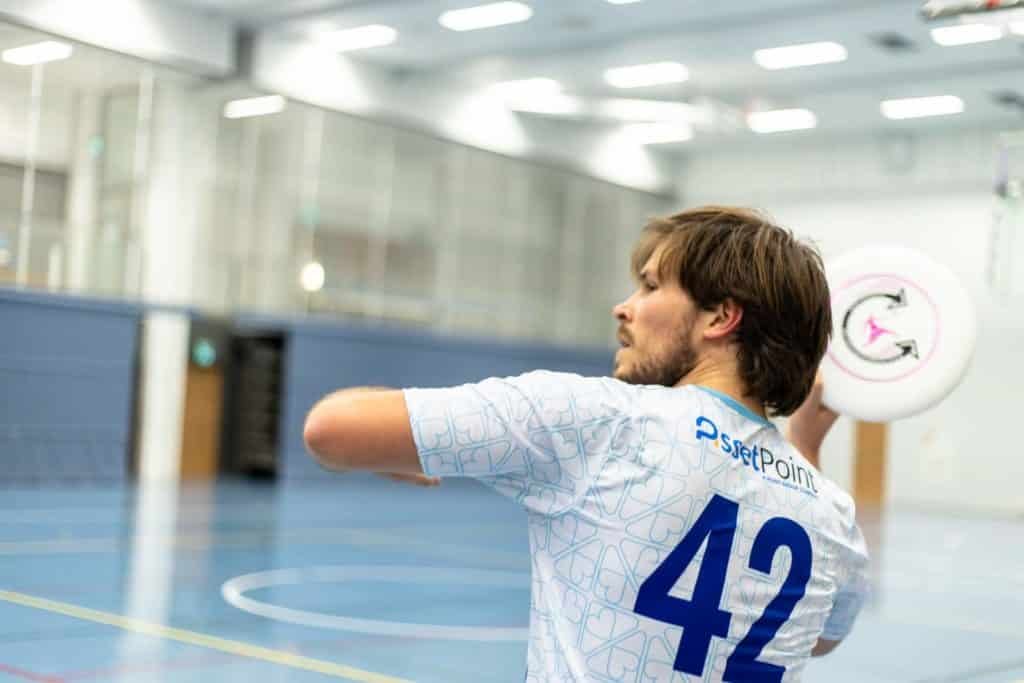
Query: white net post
point(1006, 245)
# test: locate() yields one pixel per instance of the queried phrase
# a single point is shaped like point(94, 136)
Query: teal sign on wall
point(204, 353)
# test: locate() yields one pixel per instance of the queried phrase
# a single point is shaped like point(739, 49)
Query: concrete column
point(167, 234)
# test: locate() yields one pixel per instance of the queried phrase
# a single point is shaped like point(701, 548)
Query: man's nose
point(622, 311)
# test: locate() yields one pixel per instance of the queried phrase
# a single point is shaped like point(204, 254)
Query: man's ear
point(726, 319)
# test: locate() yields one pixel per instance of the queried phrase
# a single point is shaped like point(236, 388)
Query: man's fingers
point(815, 400)
point(416, 479)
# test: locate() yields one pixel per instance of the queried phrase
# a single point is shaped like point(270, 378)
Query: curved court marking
point(199, 639)
point(234, 589)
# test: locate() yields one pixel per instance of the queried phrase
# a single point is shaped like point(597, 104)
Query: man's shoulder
point(568, 383)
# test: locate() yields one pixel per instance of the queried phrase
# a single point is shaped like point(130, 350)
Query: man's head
point(721, 283)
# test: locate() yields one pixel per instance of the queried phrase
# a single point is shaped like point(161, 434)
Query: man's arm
point(364, 428)
point(807, 429)
point(809, 425)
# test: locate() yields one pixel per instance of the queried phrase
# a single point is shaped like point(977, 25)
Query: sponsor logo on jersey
point(780, 470)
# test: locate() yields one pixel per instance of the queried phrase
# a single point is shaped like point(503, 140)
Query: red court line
point(181, 663)
point(28, 675)
point(150, 667)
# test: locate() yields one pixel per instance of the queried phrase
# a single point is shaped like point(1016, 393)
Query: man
point(675, 534)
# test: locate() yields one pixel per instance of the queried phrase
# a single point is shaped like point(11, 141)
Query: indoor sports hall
point(222, 220)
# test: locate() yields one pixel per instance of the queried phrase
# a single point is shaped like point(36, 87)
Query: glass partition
point(74, 161)
point(406, 227)
point(413, 229)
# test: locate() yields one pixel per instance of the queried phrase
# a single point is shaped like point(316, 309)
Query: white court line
point(201, 541)
point(234, 589)
point(233, 647)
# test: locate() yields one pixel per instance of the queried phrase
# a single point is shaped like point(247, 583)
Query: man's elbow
point(321, 434)
point(823, 647)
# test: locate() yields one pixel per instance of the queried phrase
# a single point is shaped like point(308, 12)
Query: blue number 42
point(701, 617)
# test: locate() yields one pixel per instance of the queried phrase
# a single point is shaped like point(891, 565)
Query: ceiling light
point(658, 133)
point(781, 120)
point(361, 38)
point(646, 110)
point(917, 107)
point(807, 54)
point(527, 87)
point(643, 75)
point(622, 2)
point(965, 34)
point(486, 16)
point(553, 104)
point(253, 106)
point(312, 277)
point(37, 53)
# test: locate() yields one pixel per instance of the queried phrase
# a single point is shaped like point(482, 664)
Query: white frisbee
point(903, 330)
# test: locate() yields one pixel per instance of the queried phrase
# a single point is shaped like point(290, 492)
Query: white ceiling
point(573, 41)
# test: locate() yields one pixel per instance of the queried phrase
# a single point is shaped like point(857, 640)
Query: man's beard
point(666, 368)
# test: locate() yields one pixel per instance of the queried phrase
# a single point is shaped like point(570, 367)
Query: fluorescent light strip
point(807, 54)
point(781, 120)
point(37, 53)
point(486, 16)
point(361, 38)
point(253, 106)
point(658, 133)
point(644, 75)
point(918, 107)
point(622, 2)
point(965, 34)
point(1017, 28)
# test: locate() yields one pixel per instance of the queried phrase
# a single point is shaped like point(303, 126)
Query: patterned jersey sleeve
point(854, 587)
point(538, 438)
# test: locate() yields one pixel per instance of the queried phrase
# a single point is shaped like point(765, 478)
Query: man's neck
point(724, 380)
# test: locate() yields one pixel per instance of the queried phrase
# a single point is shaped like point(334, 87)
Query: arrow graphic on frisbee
point(906, 347)
point(909, 348)
point(899, 300)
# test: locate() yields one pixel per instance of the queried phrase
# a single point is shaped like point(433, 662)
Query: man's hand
point(810, 423)
point(415, 479)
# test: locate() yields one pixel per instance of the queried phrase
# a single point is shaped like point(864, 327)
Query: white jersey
point(675, 535)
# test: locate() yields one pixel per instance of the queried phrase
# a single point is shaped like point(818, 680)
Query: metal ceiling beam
point(275, 13)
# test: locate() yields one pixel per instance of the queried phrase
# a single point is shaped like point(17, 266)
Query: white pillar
point(28, 186)
point(167, 233)
point(83, 190)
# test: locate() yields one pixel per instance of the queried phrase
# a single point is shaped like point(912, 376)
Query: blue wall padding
point(66, 388)
point(322, 358)
point(67, 369)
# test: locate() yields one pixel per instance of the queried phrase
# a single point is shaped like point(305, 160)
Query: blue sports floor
point(378, 581)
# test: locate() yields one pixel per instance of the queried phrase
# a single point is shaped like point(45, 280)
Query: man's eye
point(650, 286)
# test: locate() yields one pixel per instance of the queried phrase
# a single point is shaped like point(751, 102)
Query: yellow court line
point(199, 639)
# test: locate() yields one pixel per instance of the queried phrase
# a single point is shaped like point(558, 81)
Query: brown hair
point(720, 252)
